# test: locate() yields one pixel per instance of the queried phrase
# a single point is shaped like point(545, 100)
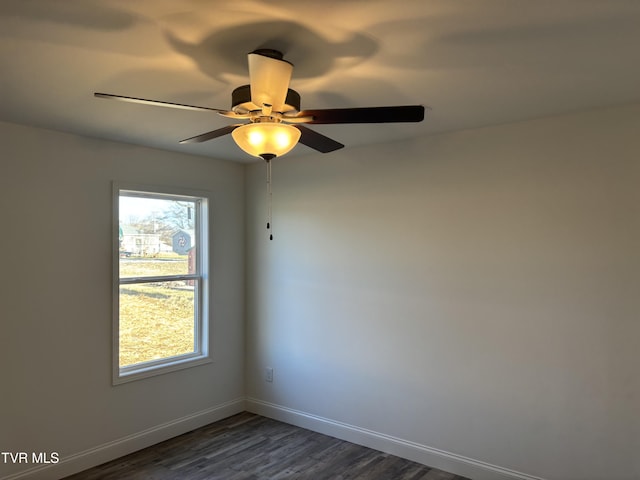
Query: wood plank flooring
point(251, 447)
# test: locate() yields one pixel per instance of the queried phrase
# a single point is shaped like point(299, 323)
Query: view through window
point(161, 270)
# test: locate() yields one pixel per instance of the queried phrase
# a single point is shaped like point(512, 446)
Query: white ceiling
point(474, 62)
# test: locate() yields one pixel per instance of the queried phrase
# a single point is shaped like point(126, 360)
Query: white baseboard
point(416, 452)
point(123, 446)
point(451, 462)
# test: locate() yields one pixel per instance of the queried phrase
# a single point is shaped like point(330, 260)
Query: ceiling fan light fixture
point(261, 138)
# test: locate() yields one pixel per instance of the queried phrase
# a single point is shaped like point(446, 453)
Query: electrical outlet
point(268, 374)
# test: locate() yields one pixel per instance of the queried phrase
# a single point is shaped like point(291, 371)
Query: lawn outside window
point(161, 272)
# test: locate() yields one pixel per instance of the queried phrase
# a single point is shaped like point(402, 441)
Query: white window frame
point(202, 341)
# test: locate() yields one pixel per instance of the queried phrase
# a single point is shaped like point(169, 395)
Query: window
point(160, 281)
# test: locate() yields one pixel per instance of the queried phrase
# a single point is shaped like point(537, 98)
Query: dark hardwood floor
point(251, 447)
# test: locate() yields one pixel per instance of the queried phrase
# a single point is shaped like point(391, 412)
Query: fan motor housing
point(241, 101)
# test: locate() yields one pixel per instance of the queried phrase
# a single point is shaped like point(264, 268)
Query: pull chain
point(269, 201)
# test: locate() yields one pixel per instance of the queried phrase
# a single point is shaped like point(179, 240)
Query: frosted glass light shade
point(259, 139)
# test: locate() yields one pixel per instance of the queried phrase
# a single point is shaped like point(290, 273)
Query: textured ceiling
point(474, 62)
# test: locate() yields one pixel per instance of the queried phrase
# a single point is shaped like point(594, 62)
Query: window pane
point(156, 320)
point(156, 236)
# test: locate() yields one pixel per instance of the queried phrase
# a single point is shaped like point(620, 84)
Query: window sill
point(145, 371)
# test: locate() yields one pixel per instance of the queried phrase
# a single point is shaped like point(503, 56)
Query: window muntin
point(161, 270)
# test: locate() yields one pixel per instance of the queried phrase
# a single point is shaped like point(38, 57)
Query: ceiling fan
point(276, 123)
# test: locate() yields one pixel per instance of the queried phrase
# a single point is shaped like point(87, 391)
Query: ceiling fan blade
point(269, 78)
point(158, 103)
point(316, 140)
point(203, 137)
point(406, 113)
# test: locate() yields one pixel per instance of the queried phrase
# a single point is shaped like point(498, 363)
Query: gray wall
point(55, 295)
point(475, 292)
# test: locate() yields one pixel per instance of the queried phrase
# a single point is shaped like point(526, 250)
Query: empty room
point(320, 240)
